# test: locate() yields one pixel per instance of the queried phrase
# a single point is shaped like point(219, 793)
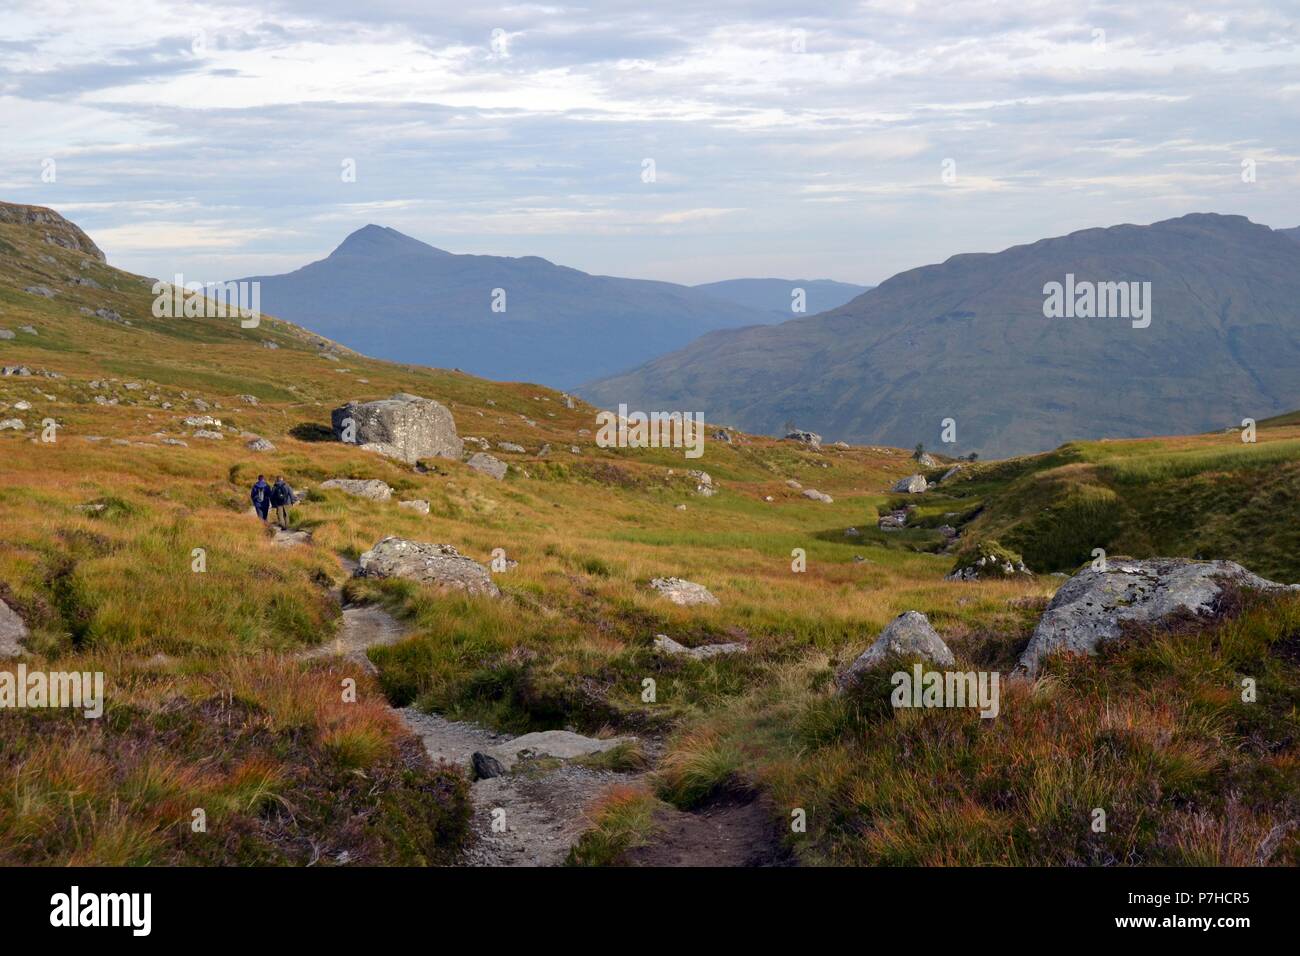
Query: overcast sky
point(211, 138)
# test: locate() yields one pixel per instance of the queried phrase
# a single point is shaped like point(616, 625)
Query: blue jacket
point(261, 494)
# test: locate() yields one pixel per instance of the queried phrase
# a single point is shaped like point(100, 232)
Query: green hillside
point(212, 703)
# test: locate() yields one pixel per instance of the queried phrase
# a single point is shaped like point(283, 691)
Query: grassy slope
point(1202, 495)
point(209, 708)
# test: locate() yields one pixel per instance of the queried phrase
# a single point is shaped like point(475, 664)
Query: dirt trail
point(534, 816)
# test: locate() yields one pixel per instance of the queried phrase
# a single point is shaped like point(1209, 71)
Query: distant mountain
point(968, 340)
point(777, 295)
point(395, 297)
point(1293, 232)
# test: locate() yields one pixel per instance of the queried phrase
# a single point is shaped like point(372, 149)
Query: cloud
point(196, 136)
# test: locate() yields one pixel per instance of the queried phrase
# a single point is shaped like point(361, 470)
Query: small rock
point(260, 444)
point(912, 484)
point(371, 488)
point(686, 593)
point(12, 632)
point(666, 645)
point(908, 635)
point(815, 495)
point(485, 766)
point(417, 505)
point(488, 465)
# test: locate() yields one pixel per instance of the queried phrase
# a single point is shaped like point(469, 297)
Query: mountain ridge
point(967, 339)
point(512, 318)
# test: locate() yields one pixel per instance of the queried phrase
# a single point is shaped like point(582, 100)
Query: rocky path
point(534, 815)
point(529, 818)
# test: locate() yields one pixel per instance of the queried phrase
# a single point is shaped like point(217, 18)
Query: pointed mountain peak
point(381, 241)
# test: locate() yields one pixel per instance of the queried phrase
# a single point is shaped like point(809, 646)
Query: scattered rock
point(406, 427)
point(988, 560)
point(12, 632)
point(912, 484)
point(816, 495)
point(6, 334)
point(488, 465)
point(811, 439)
point(791, 483)
point(908, 635)
point(926, 460)
point(44, 292)
point(416, 505)
point(484, 766)
point(371, 488)
point(259, 444)
point(248, 399)
point(893, 521)
point(511, 447)
point(436, 564)
point(1091, 608)
point(210, 435)
point(288, 538)
point(666, 645)
point(686, 593)
point(561, 744)
point(12, 423)
point(202, 421)
point(948, 474)
point(703, 483)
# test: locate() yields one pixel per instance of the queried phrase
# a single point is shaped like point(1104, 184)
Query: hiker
point(281, 499)
point(261, 497)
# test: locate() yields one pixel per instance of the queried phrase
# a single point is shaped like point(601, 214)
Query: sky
point(673, 140)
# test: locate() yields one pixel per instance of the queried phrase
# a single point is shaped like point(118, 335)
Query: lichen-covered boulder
point(440, 565)
point(405, 427)
point(1092, 607)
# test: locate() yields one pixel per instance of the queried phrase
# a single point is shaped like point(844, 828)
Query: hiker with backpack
point(261, 496)
point(281, 499)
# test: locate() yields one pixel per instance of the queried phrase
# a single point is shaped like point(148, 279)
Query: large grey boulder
point(1092, 607)
point(406, 427)
point(908, 635)
point(680, 591)
point(912, 484)
point(12, 632)
point(371, 488)
point(486, 464)
point(437, 564)
point(815, 495)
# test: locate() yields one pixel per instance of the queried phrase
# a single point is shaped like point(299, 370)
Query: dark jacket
point(281, 494)
point(261, 494)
